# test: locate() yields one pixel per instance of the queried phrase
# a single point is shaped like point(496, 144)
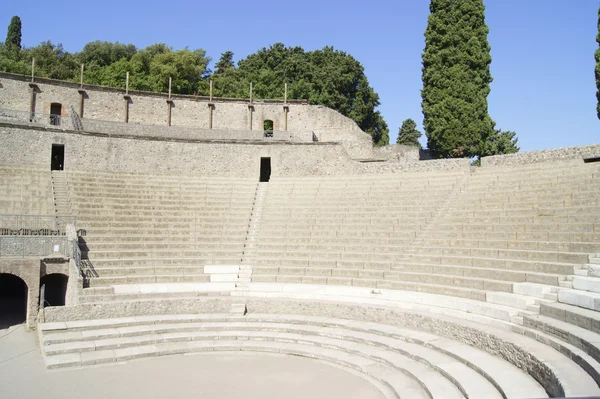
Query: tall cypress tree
point(456, 79)
point(13, 37)
point(598, 67)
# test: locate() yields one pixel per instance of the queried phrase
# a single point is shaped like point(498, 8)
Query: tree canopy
point(13, 36)
point(408, 134)
point(326, 77)
point(456, 79)
point(225, 62)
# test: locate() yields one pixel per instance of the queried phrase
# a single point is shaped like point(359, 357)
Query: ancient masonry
point(199, 231)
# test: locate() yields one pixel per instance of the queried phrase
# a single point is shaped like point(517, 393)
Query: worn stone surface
point(107, 104)
point(95, 152)
point(556, 154)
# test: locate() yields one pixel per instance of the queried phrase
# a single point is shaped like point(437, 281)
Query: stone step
point(238, 308)
point(583, 299)
point(581, 317)
point(514, 301)
point(591, 284)
point(532, 290)
point(393, 379)
point(585, 340)
point(473, 370)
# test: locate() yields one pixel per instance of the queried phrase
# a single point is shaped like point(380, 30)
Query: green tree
point(100, 54)
point(13, 37)
point(225, 62)
point(51, 61)
point(327, 77)
point(501, 142)
point(408, 134)
point(456, 79)
point(598, 67)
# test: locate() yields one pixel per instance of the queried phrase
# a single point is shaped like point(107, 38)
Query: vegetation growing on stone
point(408, 134)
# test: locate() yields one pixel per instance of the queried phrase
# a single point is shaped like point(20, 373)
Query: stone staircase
point(250, 244)
point(62, 205)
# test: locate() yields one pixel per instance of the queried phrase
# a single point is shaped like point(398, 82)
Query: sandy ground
point(218, 375)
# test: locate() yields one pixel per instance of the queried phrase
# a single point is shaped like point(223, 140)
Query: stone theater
point(137, 225)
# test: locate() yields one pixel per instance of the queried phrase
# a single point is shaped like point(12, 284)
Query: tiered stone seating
point(345, 230)
point(439, 285)
point(159, 229)
point(534, 224)
point(25, 190)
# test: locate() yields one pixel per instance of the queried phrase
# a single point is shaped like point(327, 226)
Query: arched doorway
point(55, 289)
point(13, 300)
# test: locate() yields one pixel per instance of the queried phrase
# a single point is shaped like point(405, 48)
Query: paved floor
point(218, 376)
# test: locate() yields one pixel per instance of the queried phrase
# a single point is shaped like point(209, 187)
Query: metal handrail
point(35, 225)
point(37, 118)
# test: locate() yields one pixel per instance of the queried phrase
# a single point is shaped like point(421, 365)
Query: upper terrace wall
point(24, 144)
point(556, 154)
point(152, 108)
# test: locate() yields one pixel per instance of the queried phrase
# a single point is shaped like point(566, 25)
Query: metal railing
point(25, 246)
point(37, 118)
point(34, 225)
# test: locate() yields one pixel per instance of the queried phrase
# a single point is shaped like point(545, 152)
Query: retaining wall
point(555, 154)
point(104, 103)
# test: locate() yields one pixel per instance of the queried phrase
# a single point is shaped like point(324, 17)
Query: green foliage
point(96, 55)
point(225, 62)
point(501, 142)
point(597, 72)
point(149, 69)
point(327, 77)
point(408, 134)
point(13, 36)
point(51, 61)
point(456, 79)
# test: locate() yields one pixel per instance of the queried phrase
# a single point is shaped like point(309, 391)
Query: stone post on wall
point(127, 98)
point(82, 93)
point(169, 105)
point(33, 90)
point(211, 107)
point(286, 109)
point(250, 109)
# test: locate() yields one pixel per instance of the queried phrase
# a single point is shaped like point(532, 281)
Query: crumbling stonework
point(556, 154)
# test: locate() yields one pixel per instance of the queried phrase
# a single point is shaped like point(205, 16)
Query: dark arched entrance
point(13, 300)
point(55, 289)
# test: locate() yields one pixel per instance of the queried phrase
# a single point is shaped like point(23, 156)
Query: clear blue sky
point(542, 50)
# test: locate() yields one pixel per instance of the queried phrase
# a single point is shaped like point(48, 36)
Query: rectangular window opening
point(265, 169)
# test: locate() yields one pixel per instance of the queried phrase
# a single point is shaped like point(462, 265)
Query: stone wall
point(108, 104)
point(24, 144)
point(556, 154)
point(27, 270)
point(397, 152)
